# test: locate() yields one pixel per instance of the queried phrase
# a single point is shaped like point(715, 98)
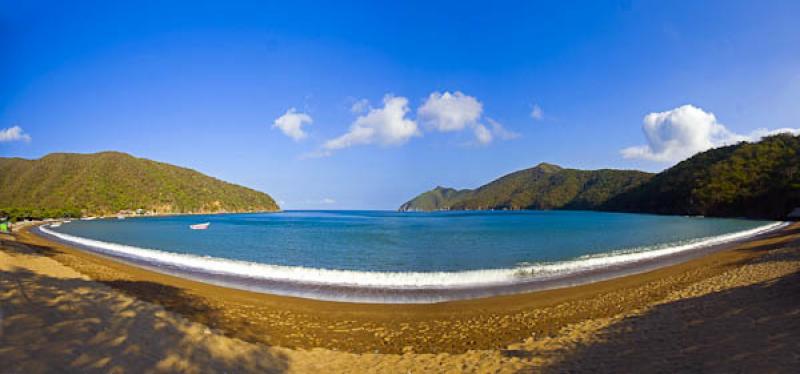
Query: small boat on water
point(200, 226)
point(56, 224)
point(120, 216)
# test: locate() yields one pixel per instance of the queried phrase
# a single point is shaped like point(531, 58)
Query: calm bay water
point(380, 241)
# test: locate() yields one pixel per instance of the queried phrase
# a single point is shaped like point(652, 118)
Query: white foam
point(400, 280)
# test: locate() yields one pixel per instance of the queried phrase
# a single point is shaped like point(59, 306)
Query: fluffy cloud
point(384, 126)
point(679, 133)
point(389, 125)
point(291, 124)
point(537, 113)
point(450, 112)
point(456, 111)
point(14, 134)
point(360, 106)
point(485, 135)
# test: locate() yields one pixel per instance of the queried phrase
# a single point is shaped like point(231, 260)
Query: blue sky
point(450, 87)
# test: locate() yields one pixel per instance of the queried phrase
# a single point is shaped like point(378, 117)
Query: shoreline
point(452, 327)
point(199, 269)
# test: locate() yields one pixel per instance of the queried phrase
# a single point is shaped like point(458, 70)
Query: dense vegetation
point(62, 184)
point(545, 186)
point(439, 198)
point(757, 180)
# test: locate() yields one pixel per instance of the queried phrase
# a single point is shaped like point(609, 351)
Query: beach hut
point(795, 214)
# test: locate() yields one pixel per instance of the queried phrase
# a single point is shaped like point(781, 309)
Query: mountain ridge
point(103, 183)
point(544, 186)
point(749, 179)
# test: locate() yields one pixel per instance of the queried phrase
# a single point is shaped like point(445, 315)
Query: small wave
point(398, 280)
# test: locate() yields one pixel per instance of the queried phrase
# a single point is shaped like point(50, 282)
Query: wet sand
point(748, 290)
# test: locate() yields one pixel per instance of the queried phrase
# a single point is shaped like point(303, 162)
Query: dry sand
point(736, 310)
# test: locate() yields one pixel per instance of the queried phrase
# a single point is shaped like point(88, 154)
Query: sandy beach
point(730, 311)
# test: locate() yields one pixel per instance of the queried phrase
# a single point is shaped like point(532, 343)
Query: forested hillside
point(105, 183)
point(758, 180)
point(545, 186)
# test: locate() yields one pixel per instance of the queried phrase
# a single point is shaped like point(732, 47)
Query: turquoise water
point(391, 257)
point(406, 242)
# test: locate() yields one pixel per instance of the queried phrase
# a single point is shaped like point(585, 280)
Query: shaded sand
point(54, 319)
point(734, 310)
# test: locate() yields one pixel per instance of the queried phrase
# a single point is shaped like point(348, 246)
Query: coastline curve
point(405, 287)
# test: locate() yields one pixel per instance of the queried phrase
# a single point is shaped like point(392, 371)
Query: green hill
point(757, 180)
point(107, 182)
point(545, 186)
point(439, 198)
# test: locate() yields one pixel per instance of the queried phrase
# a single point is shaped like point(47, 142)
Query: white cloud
point(500, 131)
point(446, 112)
point(360, 106)
point(317, 202)
point(450, 112)
point(389, 125)
point(485, 135)
point(762, 132)
point(482, 134)
point(291, 124)
point(384, 126)
point(14, 134)
point(537, 113)
point(679, 133)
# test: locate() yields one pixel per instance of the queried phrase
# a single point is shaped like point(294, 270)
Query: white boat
point(88, 218)
point(57, 224)
point(120, 216)
point(200, 226)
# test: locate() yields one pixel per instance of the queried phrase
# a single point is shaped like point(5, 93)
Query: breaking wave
point(397, 280)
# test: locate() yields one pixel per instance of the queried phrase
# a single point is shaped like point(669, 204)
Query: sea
point(404, 257)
